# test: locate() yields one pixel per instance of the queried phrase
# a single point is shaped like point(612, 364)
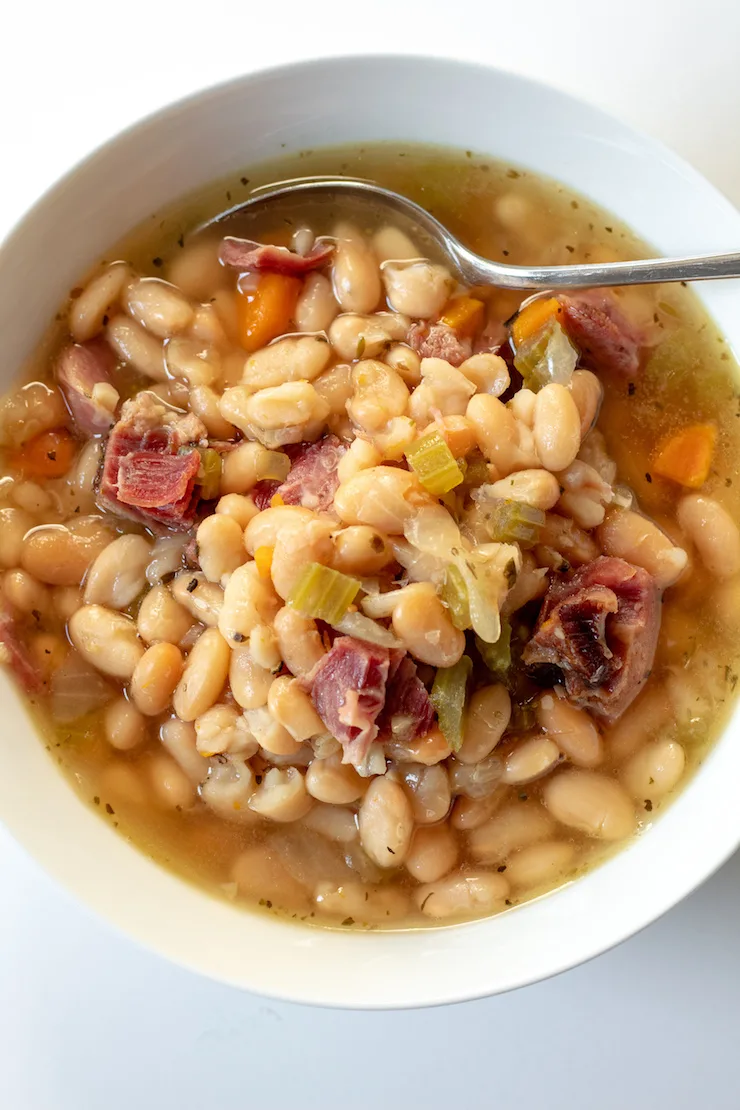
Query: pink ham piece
point(151, 464)
point(438, 341)
point(246, 254)
point(16, 655)
point(312, 480)
point(348, 689)
point(263, 493)
point(407, 712)
point(607, 342)
point(80, 368)
point(599, 628)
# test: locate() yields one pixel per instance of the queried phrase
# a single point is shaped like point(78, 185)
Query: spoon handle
point(647, 271)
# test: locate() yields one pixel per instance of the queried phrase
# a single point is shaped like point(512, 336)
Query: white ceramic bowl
point(188, 145)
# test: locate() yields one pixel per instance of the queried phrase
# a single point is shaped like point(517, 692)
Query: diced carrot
point(686, 457)
point(465, 314)
point(267, 310)
point(533, 318)
point(49, 455)
point(276, 501)
point(263, 559)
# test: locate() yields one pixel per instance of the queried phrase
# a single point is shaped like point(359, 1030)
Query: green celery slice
point(209, 475)
point(323, 594)
point(513, 521)
point(454, 594)
point(434, 464)
point(497, 657)
point(448, 698)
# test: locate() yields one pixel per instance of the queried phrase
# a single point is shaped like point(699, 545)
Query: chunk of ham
point(348, 690)
point(408, 711)
point(312, 480)
point(80, 368)
point(599, 628)
point(246, 254)
point(263, 493)
point(606, 340)
point(438, 341)
point(364, 692)
point(151, 464)
point(16, 656)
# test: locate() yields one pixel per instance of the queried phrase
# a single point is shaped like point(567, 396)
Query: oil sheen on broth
point(560, 789)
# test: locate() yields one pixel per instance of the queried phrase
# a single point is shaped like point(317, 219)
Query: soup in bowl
point(359, 598)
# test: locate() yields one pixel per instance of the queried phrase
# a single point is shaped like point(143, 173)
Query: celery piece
point(434, 464)
point(497, 657)
point(323, 594)
point(209, 475)
point(448, 698)
point(513, 521)
point(548, 356)
point(454, 594)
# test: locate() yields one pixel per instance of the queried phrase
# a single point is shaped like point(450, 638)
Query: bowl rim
point(715, 854)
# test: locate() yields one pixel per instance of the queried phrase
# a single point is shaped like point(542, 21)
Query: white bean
point(631, 536)
point(125, 727)
point(220, 547)
point(382, 496)
point(178, 738)
point(572, 730)
point(250, 683)
point(240, 508)
point(528, 759)
point(406, 362)
point(539, 863)
point(260, 873)
point(557, 427)
point(196, 364)
point(118, 575)
point(538, 488)
point(287, 360)
point(249, 600)
point(27, 595)
point(204, 403)
point(392, 243)
point(60, 554)
point(223, 729)
point(196, 270)
point(516, 826)
point(496, 431)
point(464, 895)
point(276, 416)
point(158, 306)
point(282, 796)
point(433, 854)
point(137, 347)
point(476, 780)
point(107, 640)
point(488, 373)
point(336, 823)
point(386, 823)
point(379, 395)
point(331, 781)
point(713, 531)
point(653, 771)
point(264, 529)
point(206, 670)
point(171, 785)
point(587, 392)
point(471, 813)
point(292, 708)
point(14, 523)
point(361, 550)
point(315, 308)
point(429, 792)
point(203, 599)
point(248, 464)
point(155, 677)
point(227, 791)
point(419, 289)
point(88, 311)
point(355, 336)
point(423, 625)
point(264, 647)
point(355, 273)
point(486, 719)
point(590, 802)
point(300, 644)
point(295, 547)
point(362, 902)
point(160, 618)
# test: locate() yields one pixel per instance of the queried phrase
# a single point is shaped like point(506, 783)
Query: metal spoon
point(471, 268)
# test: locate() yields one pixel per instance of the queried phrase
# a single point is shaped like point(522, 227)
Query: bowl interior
point(175, 152)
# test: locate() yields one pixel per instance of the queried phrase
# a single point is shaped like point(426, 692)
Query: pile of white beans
point(208, 731)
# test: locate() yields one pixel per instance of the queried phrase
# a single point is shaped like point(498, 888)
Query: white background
point(89, 1022)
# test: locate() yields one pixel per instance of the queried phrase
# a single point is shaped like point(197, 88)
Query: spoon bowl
point(440, 244)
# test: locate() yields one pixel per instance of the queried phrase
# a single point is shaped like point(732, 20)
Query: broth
point(496, 825)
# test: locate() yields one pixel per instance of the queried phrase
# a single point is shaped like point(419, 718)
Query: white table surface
point(90, 1022)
